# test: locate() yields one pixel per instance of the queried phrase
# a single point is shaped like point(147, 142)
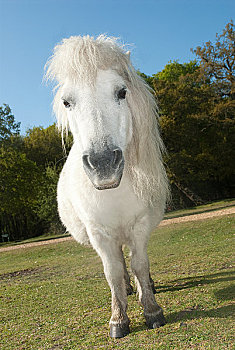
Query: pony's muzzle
point(105, 168)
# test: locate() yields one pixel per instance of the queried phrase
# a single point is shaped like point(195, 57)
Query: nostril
point(117, 157)
point(87, 162)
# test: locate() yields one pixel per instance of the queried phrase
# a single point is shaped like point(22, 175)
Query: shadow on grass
point(226, 293)
point(197, 312)
point(193, 314)
point(190, 282)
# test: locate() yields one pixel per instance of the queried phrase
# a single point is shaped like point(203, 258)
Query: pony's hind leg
point(114, 269)
point(152, 284)
point(129, 288)
point(140, 266)
point(152, 311)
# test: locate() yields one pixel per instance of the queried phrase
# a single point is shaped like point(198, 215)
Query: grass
point(56, 296)
point(212, 206)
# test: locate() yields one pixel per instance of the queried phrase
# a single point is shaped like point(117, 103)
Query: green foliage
point(44, 145)
point(46, 208)
point(8, 125)
point(19, 184)
point(28, 178)
point(174, 70)
point(149, 80)
point(188, 128)
point(17, 172)
point(218, 61)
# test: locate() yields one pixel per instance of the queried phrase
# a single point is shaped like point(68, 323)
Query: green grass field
point(56, 296)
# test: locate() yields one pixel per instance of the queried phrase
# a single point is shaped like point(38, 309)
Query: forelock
point(78, 59)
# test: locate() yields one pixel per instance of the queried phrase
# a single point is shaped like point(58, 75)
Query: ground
point(54, 296)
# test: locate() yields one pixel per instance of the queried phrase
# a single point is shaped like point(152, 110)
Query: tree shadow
point(197, 312)
point(192, 314)
point(227, 293)
point(190, 282)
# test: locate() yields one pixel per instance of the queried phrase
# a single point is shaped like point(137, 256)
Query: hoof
point(155, 321)
point(152, 286)
point(129, 290)
point(119, 331)
point(153, 289)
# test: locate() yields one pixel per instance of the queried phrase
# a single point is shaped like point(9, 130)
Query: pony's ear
point(128, 53)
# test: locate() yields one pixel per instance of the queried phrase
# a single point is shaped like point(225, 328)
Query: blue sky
point(159, 31)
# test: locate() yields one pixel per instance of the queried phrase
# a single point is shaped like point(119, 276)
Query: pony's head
point(92, 102)
point(100, 121)
point(111, 112)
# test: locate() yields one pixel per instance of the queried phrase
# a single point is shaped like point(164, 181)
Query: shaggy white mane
point(78, 59)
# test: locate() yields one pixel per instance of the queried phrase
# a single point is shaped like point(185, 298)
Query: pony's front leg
point(112, 258)
point(140, 266)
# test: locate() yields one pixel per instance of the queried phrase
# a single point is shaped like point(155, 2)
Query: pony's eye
point(66, 104)
point(121, 95)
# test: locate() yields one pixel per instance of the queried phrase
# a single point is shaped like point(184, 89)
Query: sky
point(157, 30)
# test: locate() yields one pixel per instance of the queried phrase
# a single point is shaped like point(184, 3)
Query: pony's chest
point(113, 208)
point(118, 208)
point(110, 208)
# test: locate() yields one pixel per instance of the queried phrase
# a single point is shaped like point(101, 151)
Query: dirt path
point(187, 218)
point(195, 217)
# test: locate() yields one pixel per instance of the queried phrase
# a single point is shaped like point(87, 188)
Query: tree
point(20, 181)
point(29, 172)
point(8, 126)
point(149, 80)
point(44, 146)
point(218, 61)
point(46, 207)
point(173, 71)
point(197, 139)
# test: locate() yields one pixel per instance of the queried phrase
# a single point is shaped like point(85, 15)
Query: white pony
point(113, 187)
